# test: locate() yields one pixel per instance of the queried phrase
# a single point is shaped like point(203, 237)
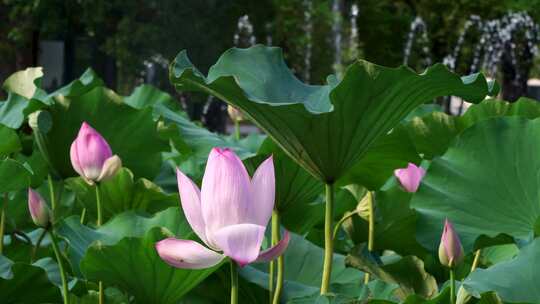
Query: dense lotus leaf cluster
point(395, 167)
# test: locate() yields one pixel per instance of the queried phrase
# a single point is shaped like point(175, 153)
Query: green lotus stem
point(272, 265)
point(83, 215)
point(452, 287)
point(101, 293)
point(98, 224)
point(65, 290)
point(236, 129)
point(98, 205)
point(234, 283)
point(36, 247)
point(276, 296)
point(3, 222)
point(340, 222)
point(51, 192)
point(476, 259)
point(328, 239)
point(371, 229)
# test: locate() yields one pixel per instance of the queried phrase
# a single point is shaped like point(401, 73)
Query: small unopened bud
point(450, 250)
point(235, 114)
point(38, 209)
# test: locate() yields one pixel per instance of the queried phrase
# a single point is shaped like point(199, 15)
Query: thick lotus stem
point(328, 239)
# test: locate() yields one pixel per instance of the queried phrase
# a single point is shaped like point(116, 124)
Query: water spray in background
point(308, 29)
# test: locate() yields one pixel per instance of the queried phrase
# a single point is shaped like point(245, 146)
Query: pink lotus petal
point(225, 191)
point(410, 177)
point(274, 251)
point(242, 242)
point(190, 198)
point(187, 254)
point(75, 158)
point(263, 196)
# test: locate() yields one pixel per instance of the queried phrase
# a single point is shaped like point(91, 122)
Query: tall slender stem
point(279, 280)
point(273, 263)
point(98, 205)
point(101, 293)
point(280, 262)
point(236, 129)
point(234, 283)
point(51, 191)
point(83, 215)
point(36, 247)
point(476, 259)
point(98, 224)
point(54, 243)
point(3, 222)
point(341, 221)
point(328, 239)
point(452, 287)
point(371, 229)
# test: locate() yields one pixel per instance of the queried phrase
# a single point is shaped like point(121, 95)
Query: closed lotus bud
point(450, 250)
point(91, 156)
point(410, 177)
point(38, 209)
point(235, 114)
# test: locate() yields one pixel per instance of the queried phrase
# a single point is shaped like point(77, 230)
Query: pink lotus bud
point(91, 156)
point(235, 114)
point(229, 214)
point(410, 177)
point(38, 209)
point(450, 250)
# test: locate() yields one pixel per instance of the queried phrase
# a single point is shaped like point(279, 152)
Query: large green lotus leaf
point(23, 283)
point(134, 266)
point(10, 142)
point(127, 224)
point(408, 273)
point(192, 138)
point(486, 184)
point(121, 193)
point(303, 268)
point(23, 82)
point(442, 298)
point(431, 134)
point(13, 110)
point(514, 281)
point(324, 128)
point(131, 133)
point(13, 175)
point(147, 96)
point(388, 152)
point(395, 222)
point(325, 299)
point(296, 189)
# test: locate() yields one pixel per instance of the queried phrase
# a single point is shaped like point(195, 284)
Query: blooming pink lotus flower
point(38, 209)
point(410, 177)
point(450, 250)
point(229, 214)
point(91, 156)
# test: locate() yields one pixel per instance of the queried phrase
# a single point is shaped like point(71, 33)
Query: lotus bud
point(91, 156)
point(38, 209)
point(410, 177)
point(235, 114)
point(450, 250)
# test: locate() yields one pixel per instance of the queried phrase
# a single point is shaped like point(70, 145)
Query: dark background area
point(120, 39)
